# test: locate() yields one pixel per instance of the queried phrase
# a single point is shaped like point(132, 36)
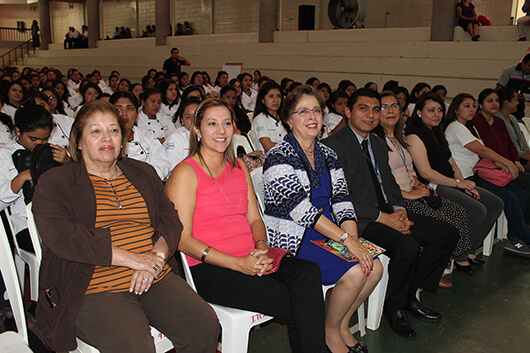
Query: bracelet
point(457, 183)
point(261, 241)
point(205, 253)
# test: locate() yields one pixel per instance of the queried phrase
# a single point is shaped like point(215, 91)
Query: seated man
point(524, 21)
point(419, 247)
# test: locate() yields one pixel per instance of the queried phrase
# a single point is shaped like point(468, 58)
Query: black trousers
point(292, 294)
point(416, 260)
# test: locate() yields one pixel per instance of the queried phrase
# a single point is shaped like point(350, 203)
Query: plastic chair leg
point(21, 271)
point(487, 246)
point(376, 300)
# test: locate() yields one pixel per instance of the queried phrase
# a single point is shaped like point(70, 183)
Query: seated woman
point(184, 81)
point(225, 239)
point(336, 118)
point(14, 95)
point(492, 130)
point(170, 98)
point(432, 159)
point(266, 125)
point(151, 119)
point(107, 230)
point(177, 144)
point(467, 148)
point(414, 192)
point(88, 93)
point(508, 102)
point(229, 95)
point(403, 96)
point(249, 97)
point(468, 19)
point(33, 126)
point(347, 86)
point(137, 89)
point(220, 81)
point(306, 199)
point(140, 144)
point(418, 90)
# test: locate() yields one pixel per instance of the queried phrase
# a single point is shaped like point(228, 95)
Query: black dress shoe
point(400, 323)
point(476, 261)
point(358, 348)
point(422, 312)
point(464, 268)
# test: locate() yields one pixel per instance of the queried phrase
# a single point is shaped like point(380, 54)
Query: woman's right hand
point(253, 264)
point(366, 260)
point(146, 262)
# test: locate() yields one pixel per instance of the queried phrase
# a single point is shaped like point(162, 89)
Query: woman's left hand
point(141, 281)
point(262, 254)
point(519, 166)
point(366, 260)
point(59, 154)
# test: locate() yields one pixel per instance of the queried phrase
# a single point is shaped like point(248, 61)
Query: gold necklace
point(220, 188)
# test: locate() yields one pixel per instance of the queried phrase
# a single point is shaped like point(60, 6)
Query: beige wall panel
point(10, 14)
point(62, 17)
point(146, 14)
point(117, 14)
point(191, 11)
point(498, 11)
point(236, 16)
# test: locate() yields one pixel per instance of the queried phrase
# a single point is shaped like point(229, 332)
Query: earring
point(419, 116)
point(198, 139)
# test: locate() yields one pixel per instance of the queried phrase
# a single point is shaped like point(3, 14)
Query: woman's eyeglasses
point(305, 112)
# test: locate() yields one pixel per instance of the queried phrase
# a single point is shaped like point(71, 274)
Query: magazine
point(341, 251)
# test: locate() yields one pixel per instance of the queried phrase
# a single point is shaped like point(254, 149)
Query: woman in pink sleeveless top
point(225, 238)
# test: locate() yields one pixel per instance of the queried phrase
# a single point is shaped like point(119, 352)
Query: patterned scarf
point(314, 174)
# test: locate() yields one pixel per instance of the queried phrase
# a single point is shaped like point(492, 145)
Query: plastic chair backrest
point(526, 121)
point(187, 271)
point(257, 182)
point(254, 140)
point(525, 132)
point(240, 140)
point(34, 233)
point(9, 274)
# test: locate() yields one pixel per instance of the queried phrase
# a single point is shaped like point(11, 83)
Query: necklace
point(109, 183)
point(310, 152)
point(220, 188)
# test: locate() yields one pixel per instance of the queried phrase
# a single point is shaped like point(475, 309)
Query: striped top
point(122, 209)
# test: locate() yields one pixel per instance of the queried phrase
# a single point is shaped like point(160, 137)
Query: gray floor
point(488, 311)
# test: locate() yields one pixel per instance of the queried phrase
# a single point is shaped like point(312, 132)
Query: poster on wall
point(233, 69)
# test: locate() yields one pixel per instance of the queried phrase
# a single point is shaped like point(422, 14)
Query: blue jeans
point(514, 198)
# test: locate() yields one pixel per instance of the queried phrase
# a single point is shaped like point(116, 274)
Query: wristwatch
point(343, 238)
point(457, 183)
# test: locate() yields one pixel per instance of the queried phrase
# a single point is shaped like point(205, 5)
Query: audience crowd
point(416, 173)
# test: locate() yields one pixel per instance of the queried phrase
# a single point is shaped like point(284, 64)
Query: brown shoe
point(444, 283)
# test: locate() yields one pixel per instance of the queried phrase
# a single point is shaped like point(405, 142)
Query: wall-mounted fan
point(343, 13)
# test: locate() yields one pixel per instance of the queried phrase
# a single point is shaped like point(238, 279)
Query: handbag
point(277, 254)
point(433, 200)
point(488, 171)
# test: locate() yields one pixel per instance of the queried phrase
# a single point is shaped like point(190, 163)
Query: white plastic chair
point(524, 130)
point(27, 258)
point(34, 234)
point(526, 121)
point(257, 182)
point(235, 323)
point(10, 341)
point(241, 141)
point(254, 140)
point(499, 231)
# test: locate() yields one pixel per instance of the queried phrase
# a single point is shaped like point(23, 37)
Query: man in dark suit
point(419, 247)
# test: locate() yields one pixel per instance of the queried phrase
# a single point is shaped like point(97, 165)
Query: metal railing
point(14, 34)
point(19, 52)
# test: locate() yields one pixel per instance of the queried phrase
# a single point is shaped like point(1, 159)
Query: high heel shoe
point(464, 268)
point(358, 348)
point(476, 261)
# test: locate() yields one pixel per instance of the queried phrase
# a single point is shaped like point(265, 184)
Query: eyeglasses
point(305, 112)
point(394, 106)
